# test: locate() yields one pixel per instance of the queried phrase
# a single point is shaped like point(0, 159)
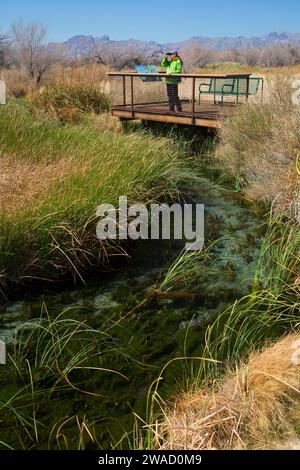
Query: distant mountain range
point(82, 46)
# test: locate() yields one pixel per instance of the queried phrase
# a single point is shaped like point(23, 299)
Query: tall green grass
point(268, 312)
point(54, 234)
point(68, 101)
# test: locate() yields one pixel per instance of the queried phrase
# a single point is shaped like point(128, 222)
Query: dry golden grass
point(23, 183)
point(89, 73)
point(254, 407)
point(108, 122)
point(19, 84)
point(260, 144)
point(261, 71)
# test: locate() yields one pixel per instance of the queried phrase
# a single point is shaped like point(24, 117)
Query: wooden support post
point(132, 101)
point(124, 90)
point(193, 99)
point(247, 88)
point(262, 90)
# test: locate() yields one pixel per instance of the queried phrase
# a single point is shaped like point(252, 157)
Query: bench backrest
point(235, 86)
point(217, 84)
point(240, 86)
point(254, 85)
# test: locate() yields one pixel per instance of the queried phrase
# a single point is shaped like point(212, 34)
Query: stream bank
point(144, 336)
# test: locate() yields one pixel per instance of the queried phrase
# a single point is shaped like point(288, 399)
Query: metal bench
point(230, 86)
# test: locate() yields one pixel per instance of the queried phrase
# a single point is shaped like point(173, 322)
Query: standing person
point(173, 63)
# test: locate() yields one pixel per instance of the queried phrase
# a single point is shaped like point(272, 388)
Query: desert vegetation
point(28, 61)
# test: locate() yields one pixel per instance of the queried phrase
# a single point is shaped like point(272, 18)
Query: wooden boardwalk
point(207, 114)
point(141, 96)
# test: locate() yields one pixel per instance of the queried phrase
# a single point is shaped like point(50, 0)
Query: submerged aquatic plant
point(52, 359)
point(185, 271)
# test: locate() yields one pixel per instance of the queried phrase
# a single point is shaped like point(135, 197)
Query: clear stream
point(161, 330)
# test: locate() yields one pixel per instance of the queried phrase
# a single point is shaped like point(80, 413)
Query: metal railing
point(207, 96)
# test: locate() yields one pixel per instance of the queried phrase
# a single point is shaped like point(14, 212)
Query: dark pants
point(174, 100)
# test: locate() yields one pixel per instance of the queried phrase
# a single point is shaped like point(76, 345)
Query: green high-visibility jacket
point(172, 66)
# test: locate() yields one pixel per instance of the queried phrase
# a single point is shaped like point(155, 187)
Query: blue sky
point(159, 20)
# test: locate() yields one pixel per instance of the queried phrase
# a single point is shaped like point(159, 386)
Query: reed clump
point(255, 406)
point(53, 179)
point(19, 84)
point(69, 101)
point(260, 144)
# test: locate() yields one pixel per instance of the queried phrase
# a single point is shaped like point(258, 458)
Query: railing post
point(124, 91)
point(132, 102)
point(247, 87)
point(193, 99)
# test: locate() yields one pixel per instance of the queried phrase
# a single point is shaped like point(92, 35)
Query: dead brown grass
point(106, 121)
point(254, 407)
point(23, 183)
point(19, 84)
point(92, 74)
point(260, 144)
point(262, 71)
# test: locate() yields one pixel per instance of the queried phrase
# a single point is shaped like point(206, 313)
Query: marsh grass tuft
point(54, 179)
point(270, 310)
point(69, 101)
point(259, 145)
point(254, 406)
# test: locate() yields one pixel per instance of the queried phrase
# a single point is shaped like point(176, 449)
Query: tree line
point(26, 47)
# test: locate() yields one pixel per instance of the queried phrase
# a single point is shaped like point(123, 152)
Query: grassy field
point(54, 177)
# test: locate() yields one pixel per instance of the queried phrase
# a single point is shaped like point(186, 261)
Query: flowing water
point(151, 335)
